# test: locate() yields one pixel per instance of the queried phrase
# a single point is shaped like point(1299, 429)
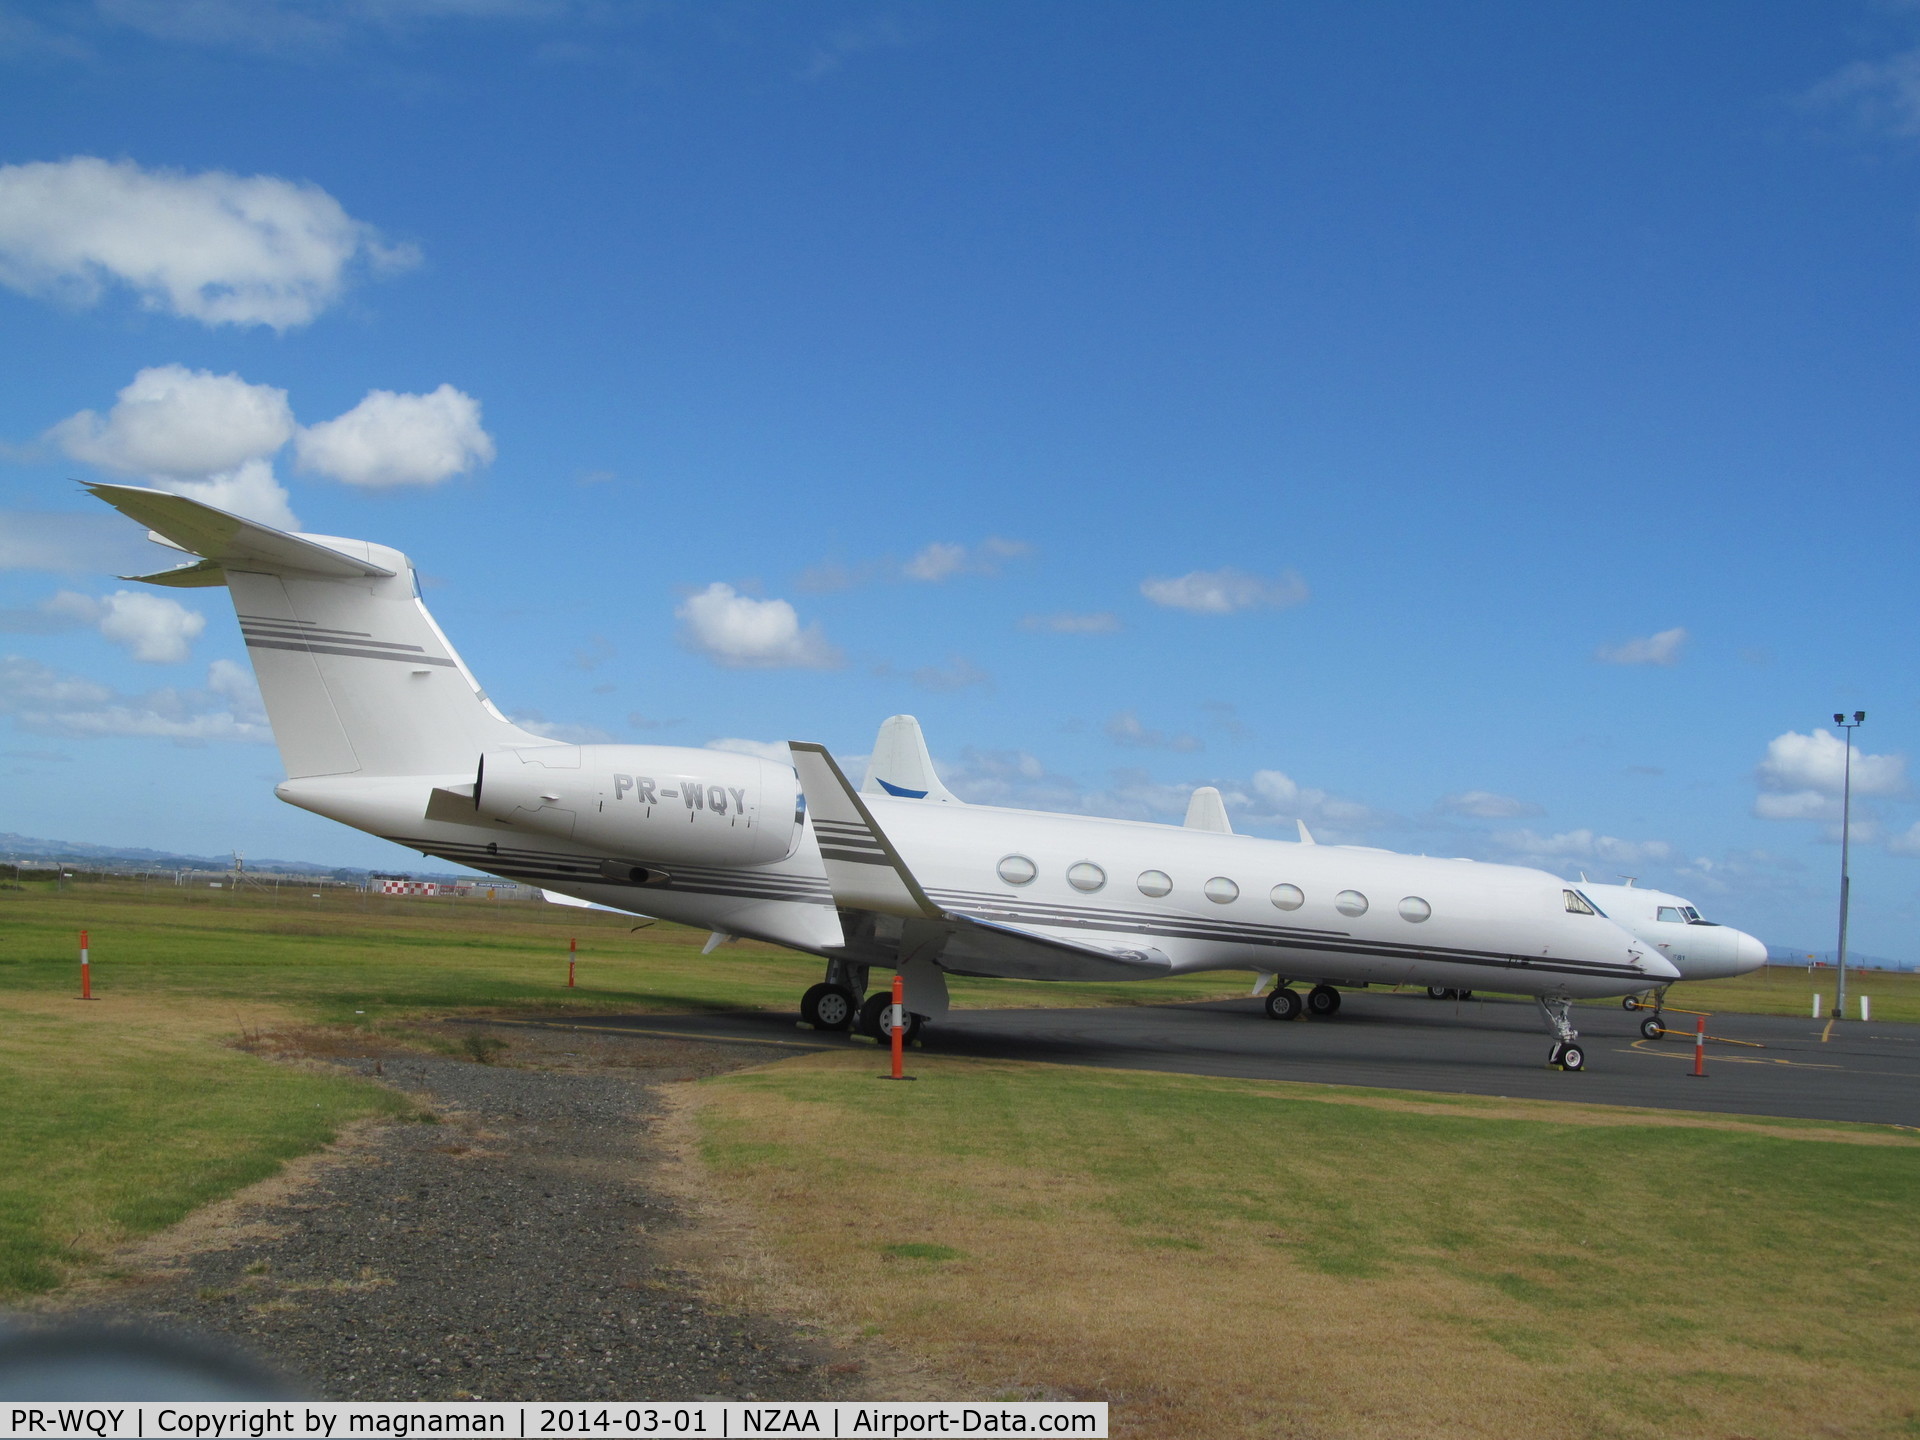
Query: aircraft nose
point(1749, 954)
point(1654, 965)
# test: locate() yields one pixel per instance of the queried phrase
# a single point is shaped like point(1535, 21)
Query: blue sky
point(1484, 429)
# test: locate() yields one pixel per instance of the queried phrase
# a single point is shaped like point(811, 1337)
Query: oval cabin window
point(1018, 870)
point(1415, 909)
point(1086, 876)
point(1287, 897)
point(1350, 902)
point(1155, 883)
point(1222, 891)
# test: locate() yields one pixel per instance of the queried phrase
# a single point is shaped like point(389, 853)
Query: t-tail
point(356, 676)
point(901, 766)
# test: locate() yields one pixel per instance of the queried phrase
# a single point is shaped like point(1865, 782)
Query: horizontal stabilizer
point(198, 575)
point(223, 539)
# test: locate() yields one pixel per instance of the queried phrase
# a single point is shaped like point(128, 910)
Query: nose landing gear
point(1565, 1055)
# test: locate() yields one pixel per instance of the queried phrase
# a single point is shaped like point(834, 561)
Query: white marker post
point(1816, 1004)
point(1866, 1012)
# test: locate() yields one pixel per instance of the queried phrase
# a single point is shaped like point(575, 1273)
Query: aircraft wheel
point(1463, 994)
point(1283, 1004)
point(1553, 1055)
point(1438, 992)
point(1324, 1001)
point(1629, 1002)
point(1652, 1028)
point(1572, 1057)
point(828, 1007)
point(871, 1012)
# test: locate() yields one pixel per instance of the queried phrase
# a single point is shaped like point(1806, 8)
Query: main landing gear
point(1565, 1055)
point(835, 1004)
point(1444, 992)
point(828, 1007)
point(1284, 1003)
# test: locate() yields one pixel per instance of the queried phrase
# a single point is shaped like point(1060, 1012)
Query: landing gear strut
point(1565, 1055)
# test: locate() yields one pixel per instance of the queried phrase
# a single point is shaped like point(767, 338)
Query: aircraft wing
point(1013, 952)
point(866, 872)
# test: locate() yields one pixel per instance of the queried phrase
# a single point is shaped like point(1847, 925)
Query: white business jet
point(936, 886)
point(381, 726)
point(1700, 949)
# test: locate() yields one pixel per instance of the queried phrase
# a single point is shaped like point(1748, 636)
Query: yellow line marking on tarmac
point(1729, 1059)
point(666, 1034)
point(1829, 1030)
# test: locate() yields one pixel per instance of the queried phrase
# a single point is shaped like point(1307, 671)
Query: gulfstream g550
point(381, 727)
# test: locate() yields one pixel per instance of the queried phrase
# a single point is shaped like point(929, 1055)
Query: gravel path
point(512, 1252)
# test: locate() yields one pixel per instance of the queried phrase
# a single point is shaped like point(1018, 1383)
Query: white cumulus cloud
point(942, 560)
point(214, 247)
point(1796, 805)
point(153, 628)
point(1817, 761)
point(1125, 729)
point(46, 701)
point(1485, 805)
point(1907, 842)
point(1661, 649)
point(743, 633)
point(1221, 592)
point(1548, 850)
point(180, 423)
point(391, 439)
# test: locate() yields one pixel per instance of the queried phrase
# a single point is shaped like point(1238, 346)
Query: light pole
point(1847, 727)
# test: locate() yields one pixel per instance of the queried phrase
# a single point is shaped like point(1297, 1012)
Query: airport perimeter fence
point(19, 874)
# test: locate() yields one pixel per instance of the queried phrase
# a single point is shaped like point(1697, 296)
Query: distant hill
point(29, 849)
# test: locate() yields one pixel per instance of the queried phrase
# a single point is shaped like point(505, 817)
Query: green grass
point(114, 1127)
point(361, 959)
point(117, 1119)
point(1789, 990)
point(1720, 1276)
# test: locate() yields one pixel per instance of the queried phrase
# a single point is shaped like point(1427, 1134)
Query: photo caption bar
point(516, 1420)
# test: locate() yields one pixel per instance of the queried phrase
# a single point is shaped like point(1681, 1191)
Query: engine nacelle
point(661, 803)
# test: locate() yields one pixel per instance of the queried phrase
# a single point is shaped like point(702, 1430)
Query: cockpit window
point(1668, 912)
point(1693, 915)
point(1578, 904)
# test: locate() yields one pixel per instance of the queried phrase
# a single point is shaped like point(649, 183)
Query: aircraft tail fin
point(1207, 811)
point(901, 765)
point(1306, 835)
point(356, 676)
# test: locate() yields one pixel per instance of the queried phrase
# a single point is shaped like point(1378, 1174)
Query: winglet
point(901, 765)
point(224, 539)
point(1207, 811)
point(1306, 835)
point(863, 869)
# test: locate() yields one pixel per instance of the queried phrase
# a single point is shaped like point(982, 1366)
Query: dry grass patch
point(1228, 1258)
